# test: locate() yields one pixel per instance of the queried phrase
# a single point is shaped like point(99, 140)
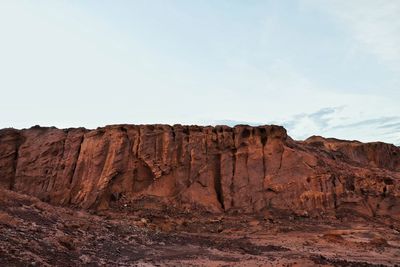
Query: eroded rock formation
point(219, 169)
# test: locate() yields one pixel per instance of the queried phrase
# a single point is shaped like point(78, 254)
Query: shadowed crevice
point(19, 141)
point(217, 181)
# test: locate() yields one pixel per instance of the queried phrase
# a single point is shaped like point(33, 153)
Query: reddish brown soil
point(34, 233)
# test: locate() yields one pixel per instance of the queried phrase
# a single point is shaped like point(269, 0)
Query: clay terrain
point(160, 195)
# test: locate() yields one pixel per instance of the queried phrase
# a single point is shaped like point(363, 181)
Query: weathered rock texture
point(219, 169)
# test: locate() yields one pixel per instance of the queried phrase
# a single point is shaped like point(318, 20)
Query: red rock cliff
point(220, 169)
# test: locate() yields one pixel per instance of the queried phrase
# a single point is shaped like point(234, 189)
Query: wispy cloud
point(376, 121)
point(323, 116)
point(305, 124)
point(374, 24)
point(335, 122)
point(395, 126)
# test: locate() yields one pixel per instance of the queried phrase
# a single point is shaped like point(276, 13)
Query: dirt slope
point(34, 233)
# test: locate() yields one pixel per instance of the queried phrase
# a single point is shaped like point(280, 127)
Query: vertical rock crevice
point(76, 159)
point(217, 181)
point(264, 140)
point(139, 142)
point(334, 196)
point(232, 187)
point(20, 140)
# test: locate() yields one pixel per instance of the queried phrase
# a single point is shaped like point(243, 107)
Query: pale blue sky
point(330, 68)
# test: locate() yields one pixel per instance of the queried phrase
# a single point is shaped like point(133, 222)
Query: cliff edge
point(242, 169)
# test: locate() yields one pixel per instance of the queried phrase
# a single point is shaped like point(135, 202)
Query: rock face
point(219, 169)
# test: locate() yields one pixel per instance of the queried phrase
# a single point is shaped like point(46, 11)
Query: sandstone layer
point(218, 169)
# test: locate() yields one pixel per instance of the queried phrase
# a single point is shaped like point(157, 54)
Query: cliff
point(219, 169)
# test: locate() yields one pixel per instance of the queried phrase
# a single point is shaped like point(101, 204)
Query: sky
point(329, 68)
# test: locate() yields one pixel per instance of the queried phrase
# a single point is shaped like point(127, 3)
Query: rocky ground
point(34, 233)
